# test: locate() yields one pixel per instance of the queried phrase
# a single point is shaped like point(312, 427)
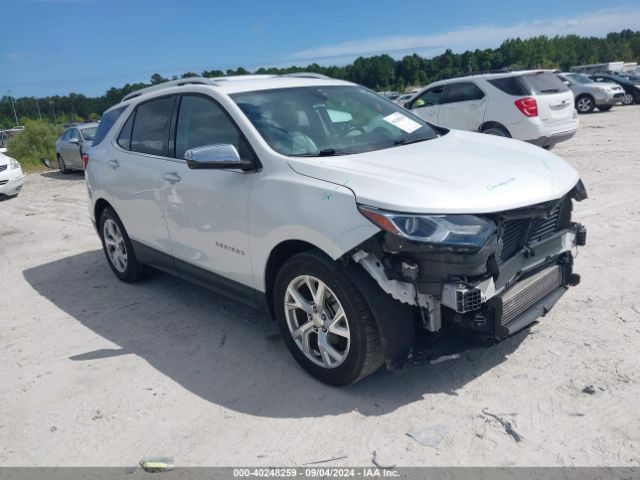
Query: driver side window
point(203, 122)
point(429, 98)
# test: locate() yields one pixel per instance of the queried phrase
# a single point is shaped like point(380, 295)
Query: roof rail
point(172, 83)
point(483, 72)
point(306, 75)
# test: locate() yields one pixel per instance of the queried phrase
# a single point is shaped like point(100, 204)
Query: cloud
point(595, 23)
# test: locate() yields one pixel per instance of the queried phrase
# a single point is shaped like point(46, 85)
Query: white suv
point(359, 227)
point(534, 106)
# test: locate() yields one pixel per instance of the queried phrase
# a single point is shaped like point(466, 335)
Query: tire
point(605, 108)
point(340, 349)
point(628, 99)
point(118, 249)
point(497, 130)
point(585, 104)
point(62, 166)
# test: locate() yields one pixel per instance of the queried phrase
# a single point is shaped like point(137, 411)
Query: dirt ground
point(97, 372)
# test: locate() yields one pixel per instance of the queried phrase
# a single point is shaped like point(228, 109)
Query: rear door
point(462, 106)
point(133, 173)
point(427, 104)
point(554, 98)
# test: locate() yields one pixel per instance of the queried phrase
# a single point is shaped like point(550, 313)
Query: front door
point(206, 209)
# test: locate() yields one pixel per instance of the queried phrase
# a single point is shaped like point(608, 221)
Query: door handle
point(171, 177)
point(113, 163)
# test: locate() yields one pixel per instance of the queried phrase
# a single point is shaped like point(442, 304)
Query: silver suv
point(72, 144)
point(590, 94)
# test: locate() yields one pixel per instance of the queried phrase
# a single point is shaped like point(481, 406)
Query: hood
point(460, 172)
point(4, 159)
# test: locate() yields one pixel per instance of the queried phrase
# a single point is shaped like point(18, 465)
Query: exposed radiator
point(528, 292)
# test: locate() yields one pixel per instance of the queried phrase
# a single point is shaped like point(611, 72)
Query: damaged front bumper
point(492, 293)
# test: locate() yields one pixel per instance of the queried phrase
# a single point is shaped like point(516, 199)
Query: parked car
point(590, 94)
point(72, 144)
point(11, 175)
point(404, 98)
point(533, 106)
point(631, 89)
point(354, 222)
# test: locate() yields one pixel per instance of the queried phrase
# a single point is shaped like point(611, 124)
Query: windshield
point(579, 78)
point(334, 120)
point(89, 133)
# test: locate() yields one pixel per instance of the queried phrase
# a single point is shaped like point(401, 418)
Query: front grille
point(3, 168)
point(528, 292)
point(520, 232)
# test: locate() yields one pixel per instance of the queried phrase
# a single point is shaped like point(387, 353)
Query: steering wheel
point(354, 129)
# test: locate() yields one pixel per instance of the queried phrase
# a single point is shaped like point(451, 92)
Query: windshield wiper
point(325, 152)
point(404, 141)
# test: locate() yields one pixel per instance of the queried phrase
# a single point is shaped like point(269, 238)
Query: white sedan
point(11, 175)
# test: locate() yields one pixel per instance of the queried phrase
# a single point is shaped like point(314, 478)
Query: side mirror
point(567, 83)
point(74, 140)
point(220, 156)
point(3, 150)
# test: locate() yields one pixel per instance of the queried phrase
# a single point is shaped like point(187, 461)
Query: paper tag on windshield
point(402, 122)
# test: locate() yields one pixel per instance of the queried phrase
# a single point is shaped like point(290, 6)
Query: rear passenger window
point(462, 92)
point(107, 121)
point(150, 133)
point(509, 85)
point(203, 122)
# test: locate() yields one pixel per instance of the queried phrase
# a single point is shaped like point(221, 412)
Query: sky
point(54, 47)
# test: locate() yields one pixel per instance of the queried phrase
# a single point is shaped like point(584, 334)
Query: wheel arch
point(492, 124)
point(278, 256)
point(99, 207)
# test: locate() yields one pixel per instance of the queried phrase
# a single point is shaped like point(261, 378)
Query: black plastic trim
point(212, 281)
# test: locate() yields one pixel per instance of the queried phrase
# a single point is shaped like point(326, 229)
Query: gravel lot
point(97, 372)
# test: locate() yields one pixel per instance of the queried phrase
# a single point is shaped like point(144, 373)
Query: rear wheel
point(118, 249)
point(62, 166)
point(605, 108)
point(628, 99)
point(585, 104)
point(325, 320)
point(496, 130)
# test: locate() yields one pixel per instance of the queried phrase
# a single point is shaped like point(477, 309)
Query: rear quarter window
point(510, 86)
point(544, 83)
point(107, 121)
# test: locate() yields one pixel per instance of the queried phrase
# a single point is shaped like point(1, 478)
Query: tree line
point(380, 72)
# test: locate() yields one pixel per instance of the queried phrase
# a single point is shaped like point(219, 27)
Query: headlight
point(13, 164)
point(466, 232)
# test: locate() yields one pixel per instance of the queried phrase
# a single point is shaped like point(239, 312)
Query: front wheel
point(628, 99)
point(325, 320)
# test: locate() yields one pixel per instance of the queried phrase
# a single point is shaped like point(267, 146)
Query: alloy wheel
point(628, 99)
point(114, 245)
point(584, 104)
point(317, 322)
